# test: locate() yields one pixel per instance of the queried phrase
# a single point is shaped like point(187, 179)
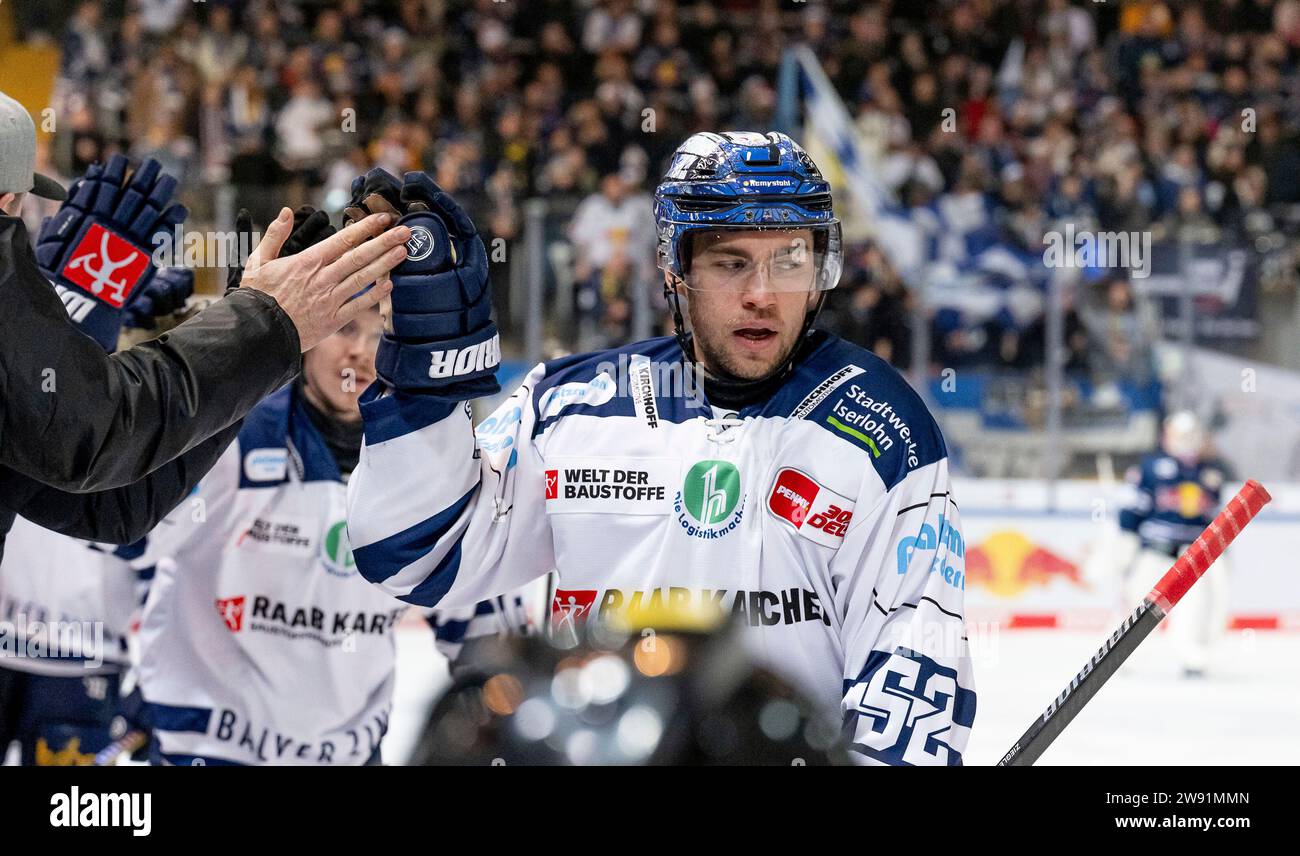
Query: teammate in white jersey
point(802, 487)
point(259, 642)
point(66, 607)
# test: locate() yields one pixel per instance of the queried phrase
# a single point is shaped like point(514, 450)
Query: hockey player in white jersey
point(803, 488)
point(66, 607)
point(259, 643)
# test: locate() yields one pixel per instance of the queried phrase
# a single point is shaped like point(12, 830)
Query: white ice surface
point(1245, 711)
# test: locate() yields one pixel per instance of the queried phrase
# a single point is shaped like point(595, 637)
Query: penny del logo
point(813, 510)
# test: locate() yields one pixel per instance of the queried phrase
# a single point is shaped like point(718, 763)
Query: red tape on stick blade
point(1209, 545)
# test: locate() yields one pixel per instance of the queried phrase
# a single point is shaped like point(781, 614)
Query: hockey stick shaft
point(1190, 567)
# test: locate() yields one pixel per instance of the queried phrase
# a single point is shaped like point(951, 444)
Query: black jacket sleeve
point(121, 515)
point(78, 419)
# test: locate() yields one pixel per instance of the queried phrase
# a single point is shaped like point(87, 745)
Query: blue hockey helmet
point(745, 180)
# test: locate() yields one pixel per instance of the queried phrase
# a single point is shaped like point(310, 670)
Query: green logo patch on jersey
point(336, 551)
point(711, 490)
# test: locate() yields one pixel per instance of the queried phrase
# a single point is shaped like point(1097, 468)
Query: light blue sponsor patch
point(928, 539)
point(596, 391)
point(266, 464)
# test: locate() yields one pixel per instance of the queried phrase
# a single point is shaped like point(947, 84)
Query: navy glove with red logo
point(97, 250)
point(442, 341)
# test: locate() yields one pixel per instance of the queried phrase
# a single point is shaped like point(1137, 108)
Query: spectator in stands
point(1124, 332)
point(1070, 202)
point(612, 25)
point(299, 130)
point(1119, 116)
point(160, 17)
point(1026, 348)
point(613, 236)
point(959, 344)
point(85, 50)
point(1188, 220)
point(871, 307)
point(1274, 150)
point(220, 49)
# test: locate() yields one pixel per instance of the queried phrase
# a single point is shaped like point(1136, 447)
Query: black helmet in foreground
point(671, 694)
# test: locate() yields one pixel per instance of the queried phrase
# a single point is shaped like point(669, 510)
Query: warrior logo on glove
point(421, 245)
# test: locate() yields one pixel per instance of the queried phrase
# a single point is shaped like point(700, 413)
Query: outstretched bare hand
point(318, 288)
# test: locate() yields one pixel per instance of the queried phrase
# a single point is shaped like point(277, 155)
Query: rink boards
point(1043, 558)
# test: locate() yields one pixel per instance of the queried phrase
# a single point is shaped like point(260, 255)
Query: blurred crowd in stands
point(1126, 115)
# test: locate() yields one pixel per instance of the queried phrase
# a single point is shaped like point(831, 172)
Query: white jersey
point(66, 605)
point(820, 517)
point(260, 644)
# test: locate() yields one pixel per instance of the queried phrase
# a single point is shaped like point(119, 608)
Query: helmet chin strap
point(723, 388)
point(679, 323)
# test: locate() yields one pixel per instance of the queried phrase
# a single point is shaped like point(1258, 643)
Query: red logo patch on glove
point(106, 265)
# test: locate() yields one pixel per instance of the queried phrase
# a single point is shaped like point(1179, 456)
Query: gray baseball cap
point(18, 154)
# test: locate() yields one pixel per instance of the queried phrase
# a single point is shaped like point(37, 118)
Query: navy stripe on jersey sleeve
point(379, 561)
point(396, 415)
point(438, 582)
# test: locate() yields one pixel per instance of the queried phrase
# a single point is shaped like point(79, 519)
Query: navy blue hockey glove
point(97, 249)
point(310, 227)
point(166, 295)
point(442, 341)
point(376, 192)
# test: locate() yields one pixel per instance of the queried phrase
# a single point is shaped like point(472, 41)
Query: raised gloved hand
point(97, 250)
point(166, 295)
point(442, 340)
point(310, 227)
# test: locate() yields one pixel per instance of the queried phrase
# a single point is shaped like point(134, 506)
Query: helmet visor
point(782, 260)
